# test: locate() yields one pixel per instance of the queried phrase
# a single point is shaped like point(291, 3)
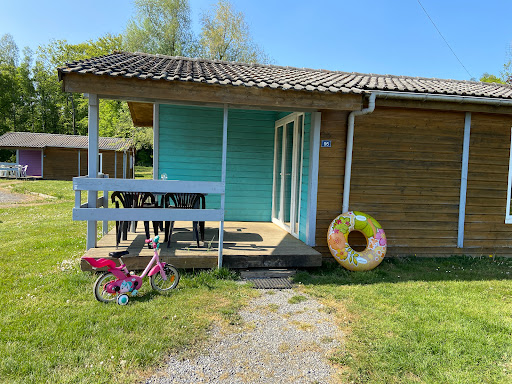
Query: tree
point(61, 112)
point(31, 98)
point(488, 78)
point(160, 26)
point(225, 36)
point(9, 52)
point(70, 114)
point(25, 93)
point(16, 90)
point(60, 52)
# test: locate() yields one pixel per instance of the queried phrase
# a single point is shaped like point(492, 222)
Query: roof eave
point(135, 89)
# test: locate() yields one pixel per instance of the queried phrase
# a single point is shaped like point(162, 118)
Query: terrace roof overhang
point(141, 93)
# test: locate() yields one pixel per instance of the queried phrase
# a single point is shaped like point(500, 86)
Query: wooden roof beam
point(190, 92)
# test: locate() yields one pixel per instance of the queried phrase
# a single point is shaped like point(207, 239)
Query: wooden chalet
point(428, 158)
point(62, 157)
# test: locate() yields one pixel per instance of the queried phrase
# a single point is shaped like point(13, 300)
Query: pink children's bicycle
point(117, 282)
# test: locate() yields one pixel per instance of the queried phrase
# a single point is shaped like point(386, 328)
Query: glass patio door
point(288, 147)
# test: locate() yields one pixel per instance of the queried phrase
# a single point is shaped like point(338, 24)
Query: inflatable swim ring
point(337, 239)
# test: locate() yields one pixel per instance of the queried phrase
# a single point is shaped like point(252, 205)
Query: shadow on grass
point(395, 270)
point(208, 279)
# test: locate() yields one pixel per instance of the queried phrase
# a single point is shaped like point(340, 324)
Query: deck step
point(269, 278)
point(271, 282)
point(267, 273)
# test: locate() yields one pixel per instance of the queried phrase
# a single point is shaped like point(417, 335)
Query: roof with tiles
point(159, 67)
point(43, 140)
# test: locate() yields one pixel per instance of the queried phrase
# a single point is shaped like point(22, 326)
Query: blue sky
point(367, 36)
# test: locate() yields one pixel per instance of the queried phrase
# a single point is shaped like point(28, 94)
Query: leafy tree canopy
point(63, 112)
point(9, 52)
point(160, 26)
point(488, 78)
point(60, 52)
point(225, 35)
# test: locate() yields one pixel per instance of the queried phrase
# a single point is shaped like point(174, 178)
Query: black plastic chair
point(133, 200)
point(184, 201)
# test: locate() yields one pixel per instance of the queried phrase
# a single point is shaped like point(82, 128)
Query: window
point(100, 163)
point(508, 217)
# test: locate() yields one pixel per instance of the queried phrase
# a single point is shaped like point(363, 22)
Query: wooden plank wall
point(109, 164)
point(406, 173)
point(487, 183)
point(331, 172)
point(62, 163)
point(84, 162)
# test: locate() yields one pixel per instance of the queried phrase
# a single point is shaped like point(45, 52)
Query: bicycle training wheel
point(99, 288)
point(161, 285)
point(122, 299)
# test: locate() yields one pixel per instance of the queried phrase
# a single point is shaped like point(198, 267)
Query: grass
point(410, 320)
point(51, 327)
point(417, 320)
point(297, 299)
point(142, 172)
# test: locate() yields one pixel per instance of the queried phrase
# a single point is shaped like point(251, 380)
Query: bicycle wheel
point(99, 285)
point(161, 285)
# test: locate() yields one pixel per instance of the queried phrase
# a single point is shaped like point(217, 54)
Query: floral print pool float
point(337, 239)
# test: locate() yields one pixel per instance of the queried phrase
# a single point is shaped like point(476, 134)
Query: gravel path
point(278, 342)
point(9, 198)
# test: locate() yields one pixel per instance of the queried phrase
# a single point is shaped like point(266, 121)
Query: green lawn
point(421, 320)
point(52, 330)
point(143, 172)
point(408, 321)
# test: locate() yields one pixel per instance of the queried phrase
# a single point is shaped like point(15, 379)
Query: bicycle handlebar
point(155, 241)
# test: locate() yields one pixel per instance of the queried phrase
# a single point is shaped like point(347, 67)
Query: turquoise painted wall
point(191, 149)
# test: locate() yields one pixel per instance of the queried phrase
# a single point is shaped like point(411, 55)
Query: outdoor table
point(10, 170)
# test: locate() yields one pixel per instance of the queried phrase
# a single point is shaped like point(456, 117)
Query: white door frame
point(296, 172)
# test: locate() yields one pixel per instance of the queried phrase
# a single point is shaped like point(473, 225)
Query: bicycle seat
point(118, 254)
point(100, 263)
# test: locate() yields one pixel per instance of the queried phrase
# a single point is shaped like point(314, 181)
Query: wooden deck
point(246, 245)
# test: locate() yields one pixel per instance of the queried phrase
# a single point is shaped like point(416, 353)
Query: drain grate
point(271, 283)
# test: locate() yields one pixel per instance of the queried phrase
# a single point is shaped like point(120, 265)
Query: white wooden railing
point(102, 212)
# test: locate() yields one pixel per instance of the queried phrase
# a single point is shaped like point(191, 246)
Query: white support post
point(92, 169)
point(42, 163)
point(464, 180)
point(223, 180)
point(124, 165)
point(17, 156)
point(508, 219)
point(105, 205)
point(78, 198)
point(314, 157)
point(156, 139)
